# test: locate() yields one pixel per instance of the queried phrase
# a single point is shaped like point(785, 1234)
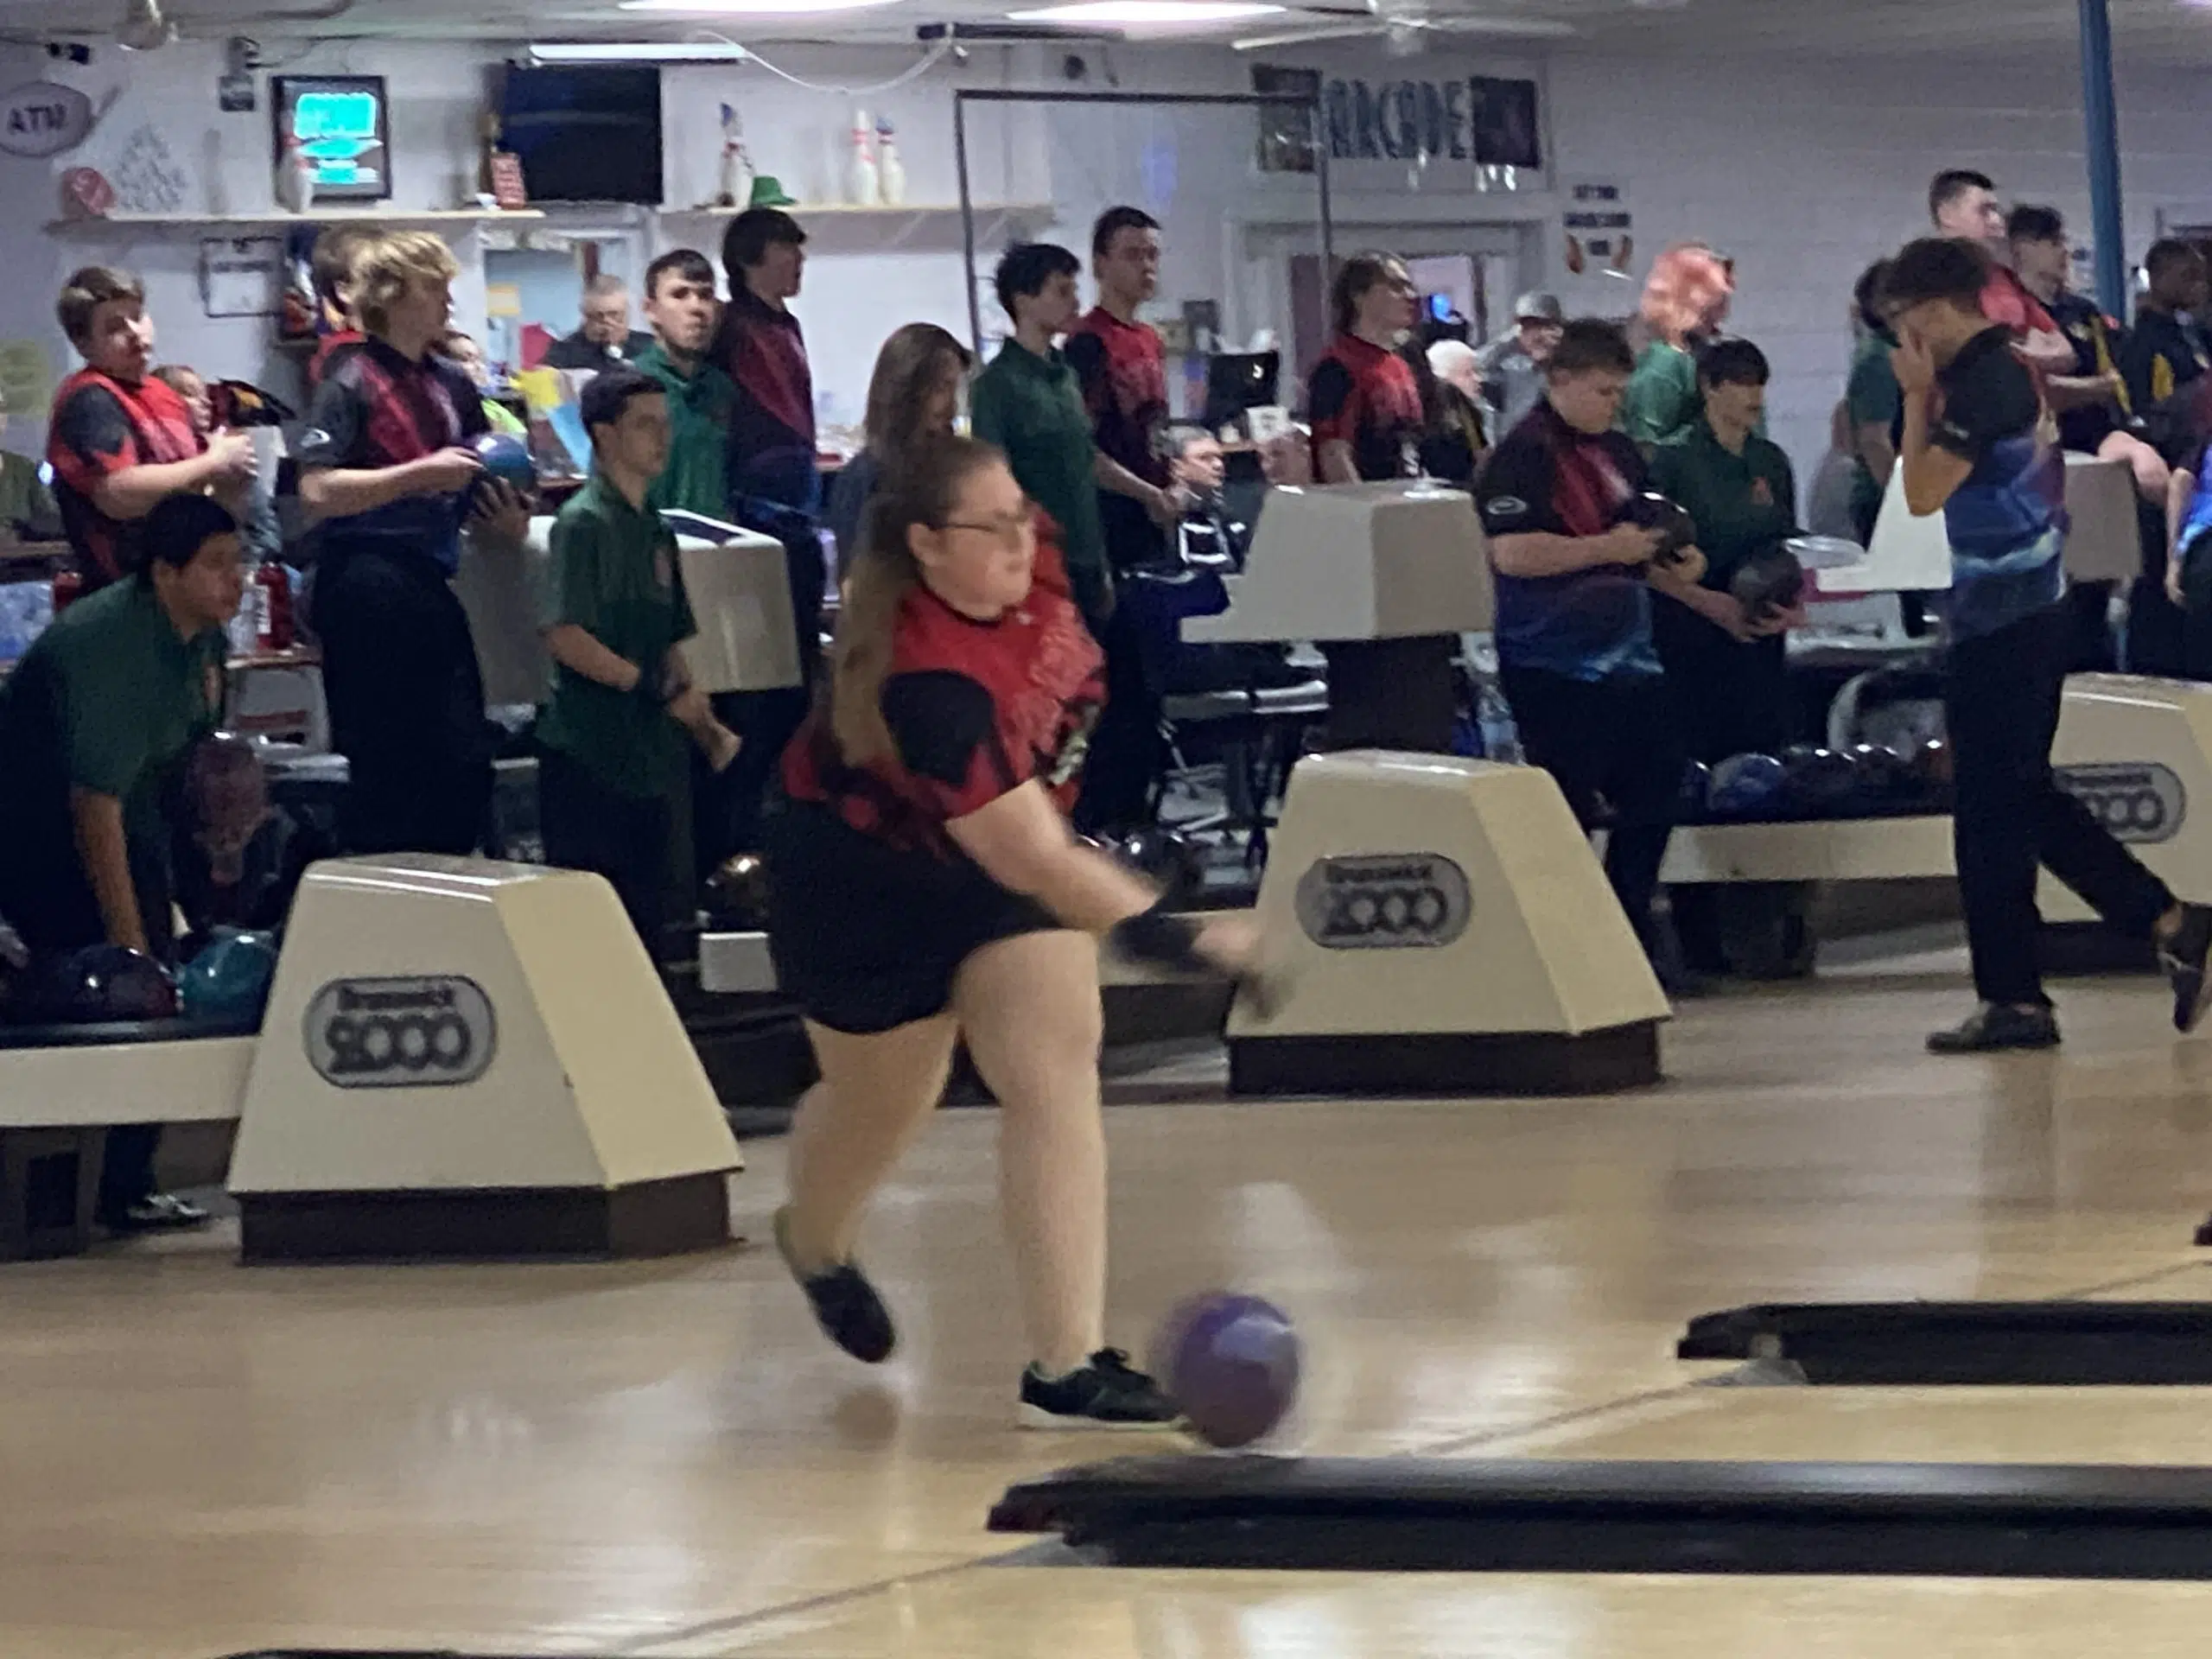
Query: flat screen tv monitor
point(343, 126)
point(585, 134)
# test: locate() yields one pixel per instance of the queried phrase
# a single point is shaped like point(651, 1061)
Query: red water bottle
point(68, 584)
point(273, 606)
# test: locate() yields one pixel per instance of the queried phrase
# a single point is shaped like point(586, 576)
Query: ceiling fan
point(1405, 27)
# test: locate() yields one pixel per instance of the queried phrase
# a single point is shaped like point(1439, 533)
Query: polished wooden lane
point(196, 1459)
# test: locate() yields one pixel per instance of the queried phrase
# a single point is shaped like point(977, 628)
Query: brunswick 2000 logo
point(1383, 902)
point(401, 1034)
point(2138, 801)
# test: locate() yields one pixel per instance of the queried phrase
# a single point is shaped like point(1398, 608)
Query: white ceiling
point(2167, 33)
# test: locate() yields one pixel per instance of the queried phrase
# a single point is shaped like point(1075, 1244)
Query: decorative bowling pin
point(863, 185)
point(295, 182)
point(891, 172)
point(733, 186)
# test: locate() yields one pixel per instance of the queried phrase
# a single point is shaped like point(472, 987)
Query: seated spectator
point(95, 723)
point(1450, 441)
point(462, 351)
point(257, 522)
point(913, 396)
point(120, 441)
point(28, 509)
point(604, 339)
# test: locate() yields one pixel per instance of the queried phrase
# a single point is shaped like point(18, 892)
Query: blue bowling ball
point(507, 458)
point(229, 980)
point(1746, 786)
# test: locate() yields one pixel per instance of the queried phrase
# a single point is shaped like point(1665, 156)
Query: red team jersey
point(1361, 395)
point(1122, 369)
point(102, 426)
point(977, 709)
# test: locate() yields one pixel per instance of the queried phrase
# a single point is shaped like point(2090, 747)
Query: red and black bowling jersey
point(1123, 371)
point(1361, 395)
point(102, 426)
point(976, 709)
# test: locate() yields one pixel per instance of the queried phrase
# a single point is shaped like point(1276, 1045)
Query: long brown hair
point(919, 489)
point(905, 369)
point(1354, 277)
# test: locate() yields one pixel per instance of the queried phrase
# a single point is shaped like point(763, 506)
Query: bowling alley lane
point(991, 1612)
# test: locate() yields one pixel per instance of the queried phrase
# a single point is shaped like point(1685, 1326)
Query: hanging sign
point(42, 118)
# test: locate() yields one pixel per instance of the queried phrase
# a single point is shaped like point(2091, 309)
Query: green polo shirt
point(1662, 396)
point(109, 698)
point(700, 404)
point(1032, 407)
point(1741, 503)
point(614, 575)
point(1871, 397)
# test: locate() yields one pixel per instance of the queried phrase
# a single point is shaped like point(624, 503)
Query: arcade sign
point(1487, 123)
point(40, 118)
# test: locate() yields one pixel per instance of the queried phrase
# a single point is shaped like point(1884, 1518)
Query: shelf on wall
point(905, 223)
point(367, 213)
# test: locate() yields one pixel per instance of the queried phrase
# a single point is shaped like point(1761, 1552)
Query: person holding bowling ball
point(927, 890)
point(1978, 447)
point(1724, 663)
point(1560, 500)
point(387, 469)
point(96, 722)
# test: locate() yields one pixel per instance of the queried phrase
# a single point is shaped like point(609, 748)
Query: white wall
point(1802, 172)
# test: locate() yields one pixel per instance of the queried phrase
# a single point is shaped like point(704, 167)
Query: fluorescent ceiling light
point(1141, 13)
point(636, 51)
point(748, 8)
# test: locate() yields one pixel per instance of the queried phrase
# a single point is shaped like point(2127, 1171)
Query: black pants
point(587, 826)
point(1731, 697)
point(2001, 700)
point(1125, 756)
point(727, 807)
point(406, 705)
point(62, 917)
point(1614, 742)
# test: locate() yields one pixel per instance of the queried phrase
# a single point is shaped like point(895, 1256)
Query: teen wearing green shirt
point(95, 724)
point(1028, 403)
point(611, 736)
point(681, 306)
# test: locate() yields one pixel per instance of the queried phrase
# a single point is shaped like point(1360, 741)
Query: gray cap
point(1536, 306)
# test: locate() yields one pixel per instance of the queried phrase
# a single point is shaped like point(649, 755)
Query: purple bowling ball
point(1230, 1363)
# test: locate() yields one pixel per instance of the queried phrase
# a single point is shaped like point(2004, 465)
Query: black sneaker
point(845, 1305)
point(2182, 958)
point(1993, 1027)
point(1105, 1393)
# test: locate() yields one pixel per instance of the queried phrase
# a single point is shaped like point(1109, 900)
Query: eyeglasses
point(1011, 529)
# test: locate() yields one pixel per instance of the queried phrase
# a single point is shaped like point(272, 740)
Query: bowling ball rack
point(2062, 1343)
point(1510, 1514)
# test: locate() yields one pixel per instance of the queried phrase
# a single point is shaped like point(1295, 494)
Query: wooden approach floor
point(197, 1459)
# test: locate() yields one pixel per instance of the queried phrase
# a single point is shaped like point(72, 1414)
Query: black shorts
point(868, 937)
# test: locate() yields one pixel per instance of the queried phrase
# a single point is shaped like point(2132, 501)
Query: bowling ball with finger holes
point(1818, 783)
point(506, 458)
point(1887, 786)
point(1697, 784)
point(1652, 510)
point(1745, 786)
point(98, 985)
point(1769, 581)
point(1168, 857)
point(1230, 1363)
point(229, 980)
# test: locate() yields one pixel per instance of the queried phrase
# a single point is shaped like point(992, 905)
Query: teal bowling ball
point(229, 980)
